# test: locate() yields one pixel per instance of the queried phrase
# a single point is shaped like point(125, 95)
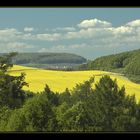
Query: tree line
point(127, 63)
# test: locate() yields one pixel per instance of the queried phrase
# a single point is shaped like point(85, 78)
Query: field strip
point(58, 81)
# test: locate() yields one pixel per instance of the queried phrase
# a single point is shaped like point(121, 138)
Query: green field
point(60, 80)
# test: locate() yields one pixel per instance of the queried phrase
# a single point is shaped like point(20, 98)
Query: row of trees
point(83, 109)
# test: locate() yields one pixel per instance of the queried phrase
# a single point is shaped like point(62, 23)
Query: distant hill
point(127, 63)
point(49, 60)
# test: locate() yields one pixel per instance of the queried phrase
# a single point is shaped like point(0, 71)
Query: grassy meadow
point(58, 81)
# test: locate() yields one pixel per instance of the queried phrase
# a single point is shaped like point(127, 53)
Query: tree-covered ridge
point(59, 61)
point(127, 63)
point(82, 109)
point(48, 58)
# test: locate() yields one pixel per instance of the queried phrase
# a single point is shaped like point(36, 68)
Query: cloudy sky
point(89, 32)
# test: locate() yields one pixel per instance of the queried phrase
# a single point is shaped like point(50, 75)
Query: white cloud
point(64, 29)
point(8, 31)
point(83, 33)
point(89, 33)
point(28, 36)
point(94, 23)
point(9, 34)
point(28, 29)
point(64, 48)
point(48, 37)
point(134, 23)
point(57, 48)
point(121, 30)
point(14, 46)
point(18, 45)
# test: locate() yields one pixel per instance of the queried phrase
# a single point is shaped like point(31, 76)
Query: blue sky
point(90, 32)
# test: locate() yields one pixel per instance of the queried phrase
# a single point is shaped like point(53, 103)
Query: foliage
point(127, 63)
point(35, 115)
point(11, 93)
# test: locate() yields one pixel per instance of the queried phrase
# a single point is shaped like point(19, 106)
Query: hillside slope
point(127, 63)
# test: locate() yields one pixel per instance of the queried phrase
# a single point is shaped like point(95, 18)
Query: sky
point(89, 32)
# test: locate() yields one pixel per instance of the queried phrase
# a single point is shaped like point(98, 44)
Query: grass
point(58, 81)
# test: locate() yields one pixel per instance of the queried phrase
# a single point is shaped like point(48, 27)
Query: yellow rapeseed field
point(60, 80)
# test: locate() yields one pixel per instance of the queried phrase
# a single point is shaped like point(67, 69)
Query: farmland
point(58, 81)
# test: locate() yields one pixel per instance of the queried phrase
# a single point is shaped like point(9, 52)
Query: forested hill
point(49, 60)
point(127, 63)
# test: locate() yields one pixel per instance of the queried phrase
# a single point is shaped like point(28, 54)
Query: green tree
point(35, 115)
point(82, 91)
point(11, 93)
point(59, 113)
point(77, 118)
point(6, 61)
point(112, 109)
point(65, 97)
point(5, 114)
point(53, 98)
